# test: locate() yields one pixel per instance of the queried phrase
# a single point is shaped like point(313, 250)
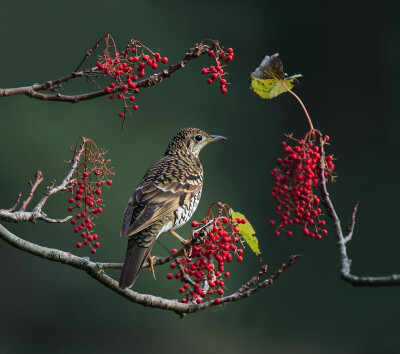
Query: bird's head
point(191, 139)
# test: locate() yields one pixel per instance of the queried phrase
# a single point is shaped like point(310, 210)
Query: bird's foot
point(150, 261)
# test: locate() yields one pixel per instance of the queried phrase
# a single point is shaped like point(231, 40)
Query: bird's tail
point(134, 259)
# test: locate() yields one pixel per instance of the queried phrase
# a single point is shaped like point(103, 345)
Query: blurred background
point(348, 53)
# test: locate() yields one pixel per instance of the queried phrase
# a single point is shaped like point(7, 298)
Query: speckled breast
point(185, 212)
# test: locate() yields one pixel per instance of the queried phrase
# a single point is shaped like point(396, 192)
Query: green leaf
point(248, 233)
point(266, 80)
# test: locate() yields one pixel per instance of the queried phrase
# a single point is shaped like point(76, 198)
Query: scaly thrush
point(165, 199)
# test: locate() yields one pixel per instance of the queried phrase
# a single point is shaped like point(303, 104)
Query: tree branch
point(96, 271)
point(33, 90)
point(345, 262)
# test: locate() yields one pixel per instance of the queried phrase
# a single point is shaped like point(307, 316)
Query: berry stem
point(301, 103)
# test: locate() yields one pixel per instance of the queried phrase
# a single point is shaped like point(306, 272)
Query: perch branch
point(96, 271)
point(345, 262)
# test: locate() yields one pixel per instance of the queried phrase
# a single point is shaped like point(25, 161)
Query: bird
point(165, 199)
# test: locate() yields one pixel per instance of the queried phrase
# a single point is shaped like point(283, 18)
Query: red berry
point(224, 91)
point(169, 276)
point(109, 182)
point(227, 274)
point(324, 232)
point(204, 71)
point(112, 85)
point(272, 222)
point(194, 223)
point(70, 209)
point(217, 301)
point(164, 60)
point(211, 53)
point(121, 114)
point(96, 244)
point(97, 191)
point(107, 89)
point(172, 266)
point(135, 107)
point(132, 98)
point(209, 81)
point(93, 251)
point(239, 258)
point(78, 244)
point(174, 250)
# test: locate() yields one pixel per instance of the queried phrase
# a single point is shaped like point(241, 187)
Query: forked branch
point(345, 262)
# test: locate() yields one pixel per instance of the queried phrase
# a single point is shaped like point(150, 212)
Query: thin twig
point(38, 180)
point(16, 203)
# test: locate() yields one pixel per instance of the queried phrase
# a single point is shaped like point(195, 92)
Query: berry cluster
point(92, 174)
point(125, 68)
point(297, 177)
point(216, 71)
point(202, 271)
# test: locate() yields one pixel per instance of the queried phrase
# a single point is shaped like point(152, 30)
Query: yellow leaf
point(266, 80)
point(270, 88)
point(248, 233)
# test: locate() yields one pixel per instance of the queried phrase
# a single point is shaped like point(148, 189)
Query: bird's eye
point(198, 137)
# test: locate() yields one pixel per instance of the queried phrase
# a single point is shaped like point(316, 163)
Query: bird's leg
point(150, 261)
point(183, 241)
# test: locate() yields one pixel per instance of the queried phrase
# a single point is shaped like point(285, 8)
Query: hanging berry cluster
point(202, 272)
point(91, 175)
point(297, 178)
point(125, 68)
point(216, 71)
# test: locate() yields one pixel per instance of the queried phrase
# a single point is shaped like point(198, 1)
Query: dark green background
point(348, 53)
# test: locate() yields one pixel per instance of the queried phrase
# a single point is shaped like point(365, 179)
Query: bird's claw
point(150, 261)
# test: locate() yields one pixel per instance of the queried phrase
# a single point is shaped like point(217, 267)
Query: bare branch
point(33, 216)
point(37, 213)
point(345, 262)
point(96, 271)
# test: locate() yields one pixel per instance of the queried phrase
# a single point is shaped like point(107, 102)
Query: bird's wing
point(161, 192)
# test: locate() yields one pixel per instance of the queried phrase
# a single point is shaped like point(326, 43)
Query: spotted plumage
point(165, 199)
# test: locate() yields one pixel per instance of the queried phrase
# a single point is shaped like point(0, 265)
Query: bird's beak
point(216, 138)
